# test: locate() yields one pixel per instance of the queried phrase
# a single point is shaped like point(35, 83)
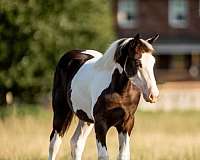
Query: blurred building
point(178, 24)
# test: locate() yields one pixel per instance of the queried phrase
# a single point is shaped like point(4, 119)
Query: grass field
point(24, 135)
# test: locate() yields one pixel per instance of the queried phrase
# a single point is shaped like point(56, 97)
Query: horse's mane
point(107, 60)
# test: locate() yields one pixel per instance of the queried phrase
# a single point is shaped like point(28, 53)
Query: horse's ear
point(136, 41)
point(133, 43)
point(152, 39)
point(137, 37)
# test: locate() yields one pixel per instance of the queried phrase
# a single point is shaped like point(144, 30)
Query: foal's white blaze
point(124, 152)
point(54, 146)
point(145, 78)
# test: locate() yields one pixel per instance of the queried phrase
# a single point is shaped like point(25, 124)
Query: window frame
point(199, 8)
point(128, 25)
point(173, 22)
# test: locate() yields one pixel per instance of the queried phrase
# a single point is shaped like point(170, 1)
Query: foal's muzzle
point(152, 99)
point(152, 96)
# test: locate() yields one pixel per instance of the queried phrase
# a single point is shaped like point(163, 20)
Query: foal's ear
point(152, 39)
point(136, 38)
point(135, 46)
point(133, 43)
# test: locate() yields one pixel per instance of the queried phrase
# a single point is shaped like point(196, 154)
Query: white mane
point(107, 60)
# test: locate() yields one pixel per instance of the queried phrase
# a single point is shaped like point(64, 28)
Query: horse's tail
point(63, 114)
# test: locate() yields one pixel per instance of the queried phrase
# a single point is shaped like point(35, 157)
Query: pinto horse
point(102, 91)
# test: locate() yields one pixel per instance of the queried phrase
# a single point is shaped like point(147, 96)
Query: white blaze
point(145, 78)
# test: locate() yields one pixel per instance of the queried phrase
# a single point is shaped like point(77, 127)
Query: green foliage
point(21, 111)
point(35, 33)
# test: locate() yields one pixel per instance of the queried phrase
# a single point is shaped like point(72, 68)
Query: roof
point(173, 48)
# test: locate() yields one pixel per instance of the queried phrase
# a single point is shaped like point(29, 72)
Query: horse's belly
point(80, 100)
point(80, 91)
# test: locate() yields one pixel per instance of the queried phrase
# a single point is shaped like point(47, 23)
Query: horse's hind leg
point(79, 138)
point(54, 145)
point(61, 121)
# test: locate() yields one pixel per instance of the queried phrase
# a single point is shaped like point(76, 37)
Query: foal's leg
point(61, 121)
point(60, 125)
point(101, 129)
point(54, 145)
point(124, 131)
point(79, 138)
point(124, 148)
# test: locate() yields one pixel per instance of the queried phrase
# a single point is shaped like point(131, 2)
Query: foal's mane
point(107, 60)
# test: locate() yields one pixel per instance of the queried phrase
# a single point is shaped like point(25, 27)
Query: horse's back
point(66, 68)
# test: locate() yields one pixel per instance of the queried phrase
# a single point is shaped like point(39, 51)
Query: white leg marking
point(124, 147)
point(79, 138)
point(102, 151)
point(54, 146)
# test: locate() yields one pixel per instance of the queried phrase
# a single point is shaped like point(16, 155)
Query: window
point(127, 13)
point(199, 7)
point(178, 11)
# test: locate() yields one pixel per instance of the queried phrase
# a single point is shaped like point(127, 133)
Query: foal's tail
point(63, 114)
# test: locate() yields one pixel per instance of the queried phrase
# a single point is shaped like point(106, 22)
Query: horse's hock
point(176, 96)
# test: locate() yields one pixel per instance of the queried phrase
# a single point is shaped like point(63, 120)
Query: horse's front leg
point(124, 132)
point(124, 146)
point(101, 129)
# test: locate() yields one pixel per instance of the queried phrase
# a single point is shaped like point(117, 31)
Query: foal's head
point(135, 57)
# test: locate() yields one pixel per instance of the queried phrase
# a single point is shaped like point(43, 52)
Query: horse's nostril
point(151, 97)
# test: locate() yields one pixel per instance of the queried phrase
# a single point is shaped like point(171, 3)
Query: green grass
point(24, 135)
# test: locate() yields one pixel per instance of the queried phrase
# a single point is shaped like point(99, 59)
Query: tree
point(35, 33)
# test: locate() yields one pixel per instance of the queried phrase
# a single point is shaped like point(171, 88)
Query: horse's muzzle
point(151, 98)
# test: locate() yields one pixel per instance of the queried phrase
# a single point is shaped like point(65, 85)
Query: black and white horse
point(102, 91)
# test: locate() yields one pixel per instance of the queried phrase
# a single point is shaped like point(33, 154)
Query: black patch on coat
point(66, 68)
point(83, 116)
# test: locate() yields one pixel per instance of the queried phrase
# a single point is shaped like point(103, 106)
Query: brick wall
point(153, 18)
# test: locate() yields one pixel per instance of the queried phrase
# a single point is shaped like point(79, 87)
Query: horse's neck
point(107, 60)
point(119, 81)
point(129, 94)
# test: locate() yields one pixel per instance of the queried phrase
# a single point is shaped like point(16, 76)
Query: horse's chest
point(87, 85)
point(117, 106)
